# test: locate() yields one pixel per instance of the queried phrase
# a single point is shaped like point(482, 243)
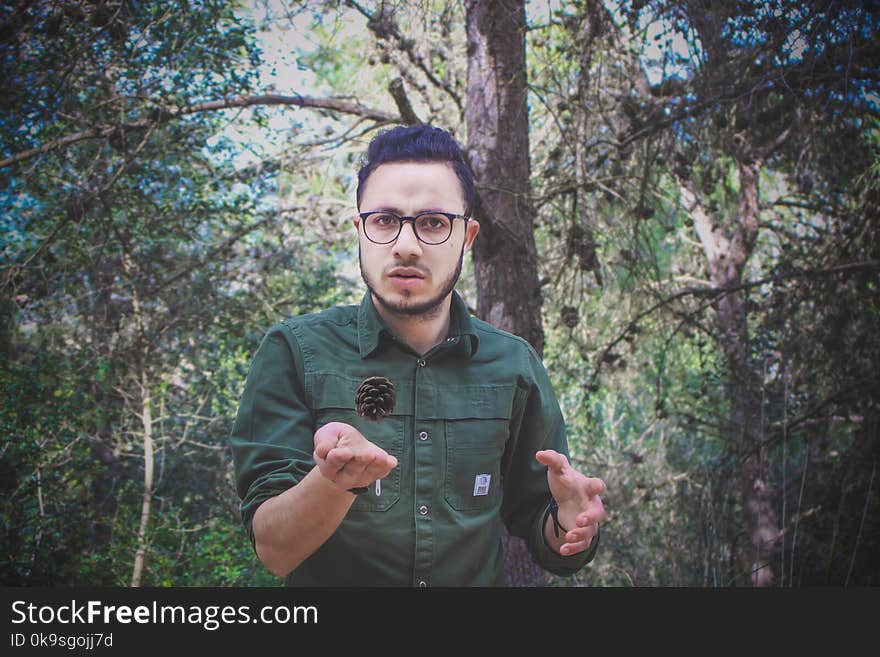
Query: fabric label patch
point(481, 484)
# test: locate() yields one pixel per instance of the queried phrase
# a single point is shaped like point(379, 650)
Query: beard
point(407, 308)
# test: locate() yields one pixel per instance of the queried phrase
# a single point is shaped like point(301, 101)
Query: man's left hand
point(578, 497)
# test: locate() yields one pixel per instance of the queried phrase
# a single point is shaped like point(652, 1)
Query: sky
point(281, 72)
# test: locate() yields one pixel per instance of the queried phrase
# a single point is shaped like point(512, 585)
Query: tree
point(505, 256)
point(131, 249)
point(769, 94)
point(688, 196)
point(757, 86)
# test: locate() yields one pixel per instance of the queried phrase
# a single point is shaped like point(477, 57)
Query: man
point(475, 438)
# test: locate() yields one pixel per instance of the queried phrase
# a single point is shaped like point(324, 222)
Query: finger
point(595, 512)
point(581, 534)
point(592, 516)
point(568, 549)
point(373, 456)
point(365, 457)
point(352, 474)
point(365, 462)
point(323, 447)
point(593, 486)
point(327, 437)
point(552, 459)
point(581, 537)
point(576, 534)
point(382, 466)
point(338, 457)
point(329, 470)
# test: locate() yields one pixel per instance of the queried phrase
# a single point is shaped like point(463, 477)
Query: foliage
point(141, 263)
point(139, 274)
point(623, 122)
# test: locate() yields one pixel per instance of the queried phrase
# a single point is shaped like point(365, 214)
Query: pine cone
point(374, 399)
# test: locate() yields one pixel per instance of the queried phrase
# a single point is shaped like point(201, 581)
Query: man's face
point(408, 277)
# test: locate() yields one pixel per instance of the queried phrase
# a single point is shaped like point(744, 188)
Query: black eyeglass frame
point(449, 215)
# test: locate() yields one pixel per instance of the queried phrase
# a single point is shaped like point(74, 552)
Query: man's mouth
point(405, 273)
point(406, 278)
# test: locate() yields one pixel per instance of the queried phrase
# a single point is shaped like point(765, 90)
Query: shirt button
point(422, 583)
point(423, 435)
point(421, 362)
point(423, 510)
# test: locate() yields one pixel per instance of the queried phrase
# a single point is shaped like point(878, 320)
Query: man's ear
point(356, 221)
point(473, 227)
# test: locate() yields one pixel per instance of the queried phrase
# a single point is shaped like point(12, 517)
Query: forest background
point(679, 202)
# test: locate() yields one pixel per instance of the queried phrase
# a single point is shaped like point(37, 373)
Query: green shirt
point(468, 419)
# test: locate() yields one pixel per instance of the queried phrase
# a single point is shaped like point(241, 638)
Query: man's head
point(410, 171)
point(417, 143)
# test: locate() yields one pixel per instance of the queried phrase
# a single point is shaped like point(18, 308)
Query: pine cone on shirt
point(374, 399)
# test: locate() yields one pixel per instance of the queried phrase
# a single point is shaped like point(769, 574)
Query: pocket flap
point(326, 390)
point(467, 402)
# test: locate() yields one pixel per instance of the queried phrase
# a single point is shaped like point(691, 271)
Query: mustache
point(403, 265)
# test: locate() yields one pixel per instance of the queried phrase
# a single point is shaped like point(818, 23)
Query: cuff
point(551, 560)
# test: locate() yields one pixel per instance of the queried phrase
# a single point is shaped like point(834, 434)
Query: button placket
point(424, 481)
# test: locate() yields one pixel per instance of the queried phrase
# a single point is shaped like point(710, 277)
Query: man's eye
point(384, 220)
point(434, 222)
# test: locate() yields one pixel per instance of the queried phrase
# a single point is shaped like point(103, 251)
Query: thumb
point(552, 459)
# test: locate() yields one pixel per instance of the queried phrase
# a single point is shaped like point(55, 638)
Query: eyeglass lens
point(383, 227)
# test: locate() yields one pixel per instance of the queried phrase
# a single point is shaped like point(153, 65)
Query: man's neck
point(420, 332)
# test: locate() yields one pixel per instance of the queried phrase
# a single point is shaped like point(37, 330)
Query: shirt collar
point(372, 332)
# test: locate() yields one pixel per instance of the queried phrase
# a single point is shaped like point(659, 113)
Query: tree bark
point(146, 417)
point(505, 256)
point(727, 249)
point(147, 498)
point(745, 384)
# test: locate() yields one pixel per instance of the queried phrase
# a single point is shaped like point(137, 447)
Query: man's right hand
point(344, 456)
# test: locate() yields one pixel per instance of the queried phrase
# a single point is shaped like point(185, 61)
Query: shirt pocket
point(332, 398)
point(476, 435)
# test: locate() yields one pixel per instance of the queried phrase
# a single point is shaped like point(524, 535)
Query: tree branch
point(165, 114)
point(715, 292)
point(407, 113)
point(226, 244)
point(381, 23)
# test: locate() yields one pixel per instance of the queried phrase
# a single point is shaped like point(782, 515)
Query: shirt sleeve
point(537, 424)
point(272, 437)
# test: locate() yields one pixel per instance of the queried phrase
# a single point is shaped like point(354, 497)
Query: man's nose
point(407, 244)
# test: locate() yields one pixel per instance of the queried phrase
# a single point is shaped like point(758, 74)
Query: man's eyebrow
point(391, 208)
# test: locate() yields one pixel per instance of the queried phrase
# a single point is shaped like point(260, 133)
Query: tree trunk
point(745, 385)
point(147, 498)
point(103, 316)
point(727, 249)
point(146, 415)
point(505, 256)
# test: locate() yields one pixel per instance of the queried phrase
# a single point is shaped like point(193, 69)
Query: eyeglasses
point(429, 227)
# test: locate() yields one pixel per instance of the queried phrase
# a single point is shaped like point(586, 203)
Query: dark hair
point(417, 143)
